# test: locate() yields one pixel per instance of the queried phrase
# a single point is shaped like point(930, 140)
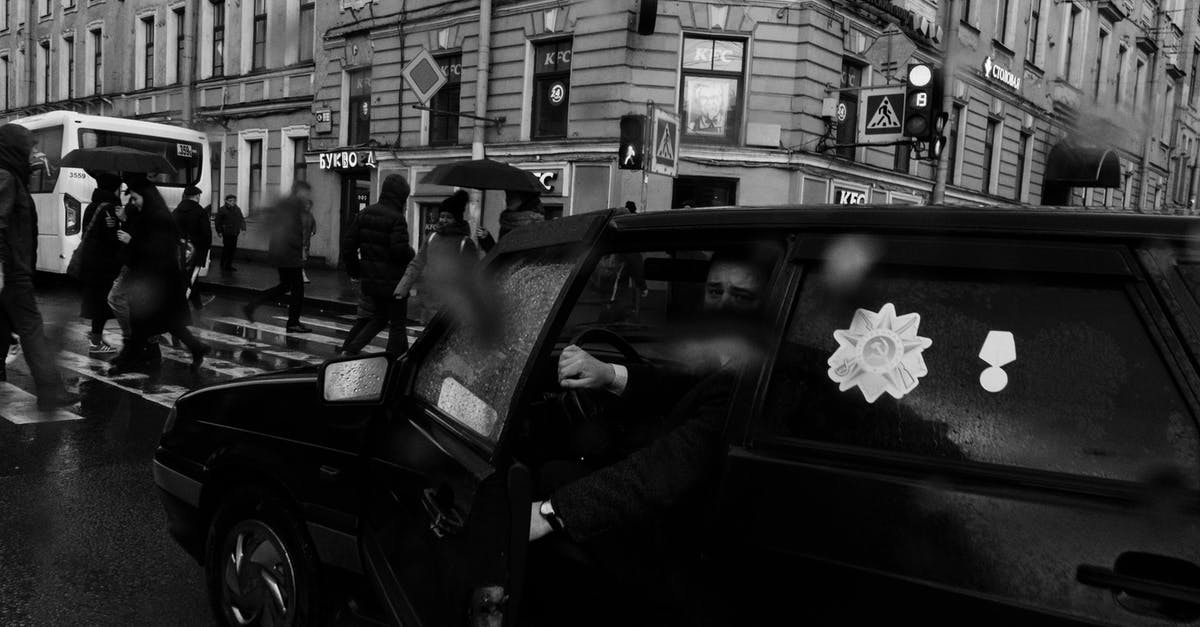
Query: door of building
point(703, 191)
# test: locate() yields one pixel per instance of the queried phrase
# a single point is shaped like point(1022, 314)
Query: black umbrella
point(483, 174)
point(117, 159)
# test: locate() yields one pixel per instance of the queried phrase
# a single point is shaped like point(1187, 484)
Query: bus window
point(48, 148)
point(186, 156)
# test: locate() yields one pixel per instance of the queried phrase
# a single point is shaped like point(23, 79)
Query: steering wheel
point(584, 409)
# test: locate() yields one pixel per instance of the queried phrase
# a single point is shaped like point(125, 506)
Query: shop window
point(551, 89)
point(359, 114)
point(712, 78)
point(443, 127)
point(552, 211)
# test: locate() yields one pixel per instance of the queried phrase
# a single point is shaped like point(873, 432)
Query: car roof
point(927, 219)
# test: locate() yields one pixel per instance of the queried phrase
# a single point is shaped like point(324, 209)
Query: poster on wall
point(710, 103)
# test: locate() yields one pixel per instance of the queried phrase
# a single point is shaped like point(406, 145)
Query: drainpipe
point(482, 73)
point(30, 46)
point(938, 196)
point(191, 19)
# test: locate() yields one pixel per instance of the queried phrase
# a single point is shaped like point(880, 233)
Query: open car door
point(445, 529)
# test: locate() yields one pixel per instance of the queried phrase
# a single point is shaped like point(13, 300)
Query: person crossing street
point(286, 253)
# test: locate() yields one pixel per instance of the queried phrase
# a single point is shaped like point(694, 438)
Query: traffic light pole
point(645, 162)
point(941, 165)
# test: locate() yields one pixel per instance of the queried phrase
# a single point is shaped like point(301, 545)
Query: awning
point(1077, 165)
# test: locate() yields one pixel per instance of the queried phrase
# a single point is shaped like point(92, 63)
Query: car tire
point(260, 566)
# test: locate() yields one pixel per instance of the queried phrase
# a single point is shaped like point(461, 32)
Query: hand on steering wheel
point(578, 370)
point(580, 402)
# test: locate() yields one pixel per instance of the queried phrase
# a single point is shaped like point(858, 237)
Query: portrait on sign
point(708, 105)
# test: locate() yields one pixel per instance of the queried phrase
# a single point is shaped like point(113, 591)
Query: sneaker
point(62, 399)
point(198, 356)
point(248, 312)
point(101, 348)
point(298, 328)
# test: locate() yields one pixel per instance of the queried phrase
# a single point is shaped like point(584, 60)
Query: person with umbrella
point(523, 203)
point(445, 263)
point(154, 277)
point(97, 258)
point(18, 256)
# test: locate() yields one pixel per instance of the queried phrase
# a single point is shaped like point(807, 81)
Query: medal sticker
point(880, 352)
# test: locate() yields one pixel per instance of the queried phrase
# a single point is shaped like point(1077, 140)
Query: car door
point(448, 515)
point(976, 431)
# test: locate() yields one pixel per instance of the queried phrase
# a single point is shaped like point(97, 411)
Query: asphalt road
point(83, 537)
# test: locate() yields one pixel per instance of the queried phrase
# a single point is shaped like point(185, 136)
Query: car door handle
point(1101, 577)
point(443, 518)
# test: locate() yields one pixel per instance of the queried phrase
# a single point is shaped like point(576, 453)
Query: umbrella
point(483, 174)
point(117, 159)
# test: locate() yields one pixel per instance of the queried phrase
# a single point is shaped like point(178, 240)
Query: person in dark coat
point(18, 258)
point(229, 224)
point(99, 262)
point(446, 261)
point(285, 251)
point(155, 278)
point(376, 250)
point(193, 222)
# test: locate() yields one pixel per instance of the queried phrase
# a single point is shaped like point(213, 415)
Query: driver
point(614, 512)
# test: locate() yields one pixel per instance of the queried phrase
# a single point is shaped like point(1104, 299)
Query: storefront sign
point(550, 179)
point(324, 120)
point(340, 160)
point(1000, 74)
point(848, 196)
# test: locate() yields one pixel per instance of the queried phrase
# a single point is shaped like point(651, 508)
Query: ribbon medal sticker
point(880, 352)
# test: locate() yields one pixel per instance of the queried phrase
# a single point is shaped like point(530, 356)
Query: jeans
point(388, 312)
point(118, 301)
point(228, 250)
point(20, 312)
point(291, 281)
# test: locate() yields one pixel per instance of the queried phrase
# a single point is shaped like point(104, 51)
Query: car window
point(472, 376)
point(1047, 373)
point(48, 150)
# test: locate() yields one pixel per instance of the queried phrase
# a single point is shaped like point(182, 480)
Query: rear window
point(1047, 373)
point(187, 157)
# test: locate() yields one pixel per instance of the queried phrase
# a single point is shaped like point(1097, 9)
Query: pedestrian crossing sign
point(880, 113)
point(664, 157)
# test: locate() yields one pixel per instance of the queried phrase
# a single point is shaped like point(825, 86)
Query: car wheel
point(261, 568)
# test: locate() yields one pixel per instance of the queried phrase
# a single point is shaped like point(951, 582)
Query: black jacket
point(100, 247)
point(286, 246)
point(194, 224)
point(18, 214)
point(156, 281)
point(230, 220)
point(375, 247)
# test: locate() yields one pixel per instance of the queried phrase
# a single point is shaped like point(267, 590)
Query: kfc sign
point(550, 179)
point(845, 196)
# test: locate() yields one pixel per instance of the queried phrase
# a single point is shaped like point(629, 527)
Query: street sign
point(880, 114)
point(664, 142)
point(424, 76)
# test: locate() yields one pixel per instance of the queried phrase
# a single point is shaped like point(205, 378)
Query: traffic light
point(633, 142)
point(922, 102)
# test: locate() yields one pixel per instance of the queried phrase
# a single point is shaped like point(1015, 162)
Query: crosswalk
point(240, 349)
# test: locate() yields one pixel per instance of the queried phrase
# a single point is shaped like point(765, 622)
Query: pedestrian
point(18, 256)
point(631, 206)
point(309, 224)
point(154, 278)
point(520, 209)
point(230, 223)
point(96, 260)
point(376, 250)
point(445, 264)
point(193, 222)
point(285, 251)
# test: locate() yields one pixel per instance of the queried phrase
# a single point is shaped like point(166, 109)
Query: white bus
point(62, 193)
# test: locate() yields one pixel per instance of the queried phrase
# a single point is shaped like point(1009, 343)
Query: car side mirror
point(356, 380)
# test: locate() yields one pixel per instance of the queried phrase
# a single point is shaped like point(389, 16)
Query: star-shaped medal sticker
point(880, 352)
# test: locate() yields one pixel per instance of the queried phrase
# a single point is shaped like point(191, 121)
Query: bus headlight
point(73, 211)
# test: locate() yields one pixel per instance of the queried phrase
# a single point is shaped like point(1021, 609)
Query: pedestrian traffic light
point(633, 142)
point(922, 102)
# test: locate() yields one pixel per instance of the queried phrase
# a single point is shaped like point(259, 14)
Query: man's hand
point(579, 370)
point(109, 220)
point(538, 526)
point(124, 237)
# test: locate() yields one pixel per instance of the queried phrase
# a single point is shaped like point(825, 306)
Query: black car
point(962, 416)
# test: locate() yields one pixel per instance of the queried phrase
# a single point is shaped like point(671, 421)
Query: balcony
point(1065, 96)
point(1115, 10)
point(1174, 69)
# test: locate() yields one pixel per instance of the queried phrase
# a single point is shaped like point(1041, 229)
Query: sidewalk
point(330, 290)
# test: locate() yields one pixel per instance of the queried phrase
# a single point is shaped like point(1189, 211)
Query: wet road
point(83, 537)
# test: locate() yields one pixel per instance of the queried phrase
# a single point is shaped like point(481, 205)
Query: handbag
point(75, 265)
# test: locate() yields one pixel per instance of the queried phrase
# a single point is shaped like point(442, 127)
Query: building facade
point(769, 96)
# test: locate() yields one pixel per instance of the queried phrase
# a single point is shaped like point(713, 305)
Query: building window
point(359, 114)
point(68, 4)
point(4, 14)
point(43, 8)
point(443, 127)
point(258, 58)
point(148, 62)
point(1002, 20)
point(952, 143)
point(46, 91)
point(218, 38)
point(97, 62)
point(1069, 50)
point(1139, 85)
point(1168, 114)
point(1101, 52)
point(551, 89)
point(1119, 96)
point(307, 29)
point(990, 144)
point(966, 11)
point(901, 159)
point(712, 88)
point(847, 133)
point(1022, 161)
point(1035, 21)
point(299, 165)
point(256, 168)
point(179, 50)
point(69, 51)
point(1195, 70)
point(6, 73)
point(214, 166)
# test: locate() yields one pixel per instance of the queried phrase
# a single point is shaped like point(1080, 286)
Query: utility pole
point(191, 20)
point(942, 164)
point(481, 95)
point(30, 56)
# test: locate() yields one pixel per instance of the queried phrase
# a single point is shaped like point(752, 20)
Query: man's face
point(733, 287)
point(229, 202)
point(710, 102)
point(303, 194)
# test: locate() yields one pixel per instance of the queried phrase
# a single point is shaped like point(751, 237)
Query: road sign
point(881, 114)
point(664, 142)
point(424, 76)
